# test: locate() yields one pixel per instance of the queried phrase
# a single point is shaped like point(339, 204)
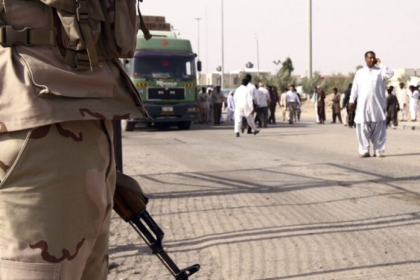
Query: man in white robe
point(369, 90)
point(244, 108)
point(203, 101)
point(402, 96)
point(254, 93)
point(315, 101)
point(253, 89)
point(231, 106)
point(414, 101)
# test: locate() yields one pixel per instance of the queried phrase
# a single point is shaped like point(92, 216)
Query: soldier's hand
point(351, 106)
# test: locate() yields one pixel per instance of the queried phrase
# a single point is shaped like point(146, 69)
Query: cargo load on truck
point(156, 23)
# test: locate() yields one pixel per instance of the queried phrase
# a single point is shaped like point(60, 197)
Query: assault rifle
point(130, 201)
point(130, 204)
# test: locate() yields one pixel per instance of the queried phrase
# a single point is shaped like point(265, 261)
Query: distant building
point(413, 73)
point(231, 79)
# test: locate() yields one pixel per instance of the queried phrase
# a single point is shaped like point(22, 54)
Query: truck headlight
point(193, 110)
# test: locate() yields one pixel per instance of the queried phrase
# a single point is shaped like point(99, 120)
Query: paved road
point(294, 202)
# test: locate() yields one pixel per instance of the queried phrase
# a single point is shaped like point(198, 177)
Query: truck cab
point(165, 74)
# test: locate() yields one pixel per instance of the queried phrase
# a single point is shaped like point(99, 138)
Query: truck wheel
point(184, 125)
point(127, 126)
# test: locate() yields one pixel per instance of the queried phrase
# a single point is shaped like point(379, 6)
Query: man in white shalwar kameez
point(231, 106)
point(414, 101)
point(244, 108)
point(402, 96)
point(254, 93)
point(315, 101)
point(253, 89)
point(369, 90)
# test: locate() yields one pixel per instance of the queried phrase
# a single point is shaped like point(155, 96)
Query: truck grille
point(166, 94)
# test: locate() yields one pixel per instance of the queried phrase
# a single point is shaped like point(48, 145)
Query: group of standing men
point(319, 99)
point(211, 105)
point(402, 100)
point(249, 101)
point(290, 102)
point(369, 109)
point(247, 106)
point(408, 100)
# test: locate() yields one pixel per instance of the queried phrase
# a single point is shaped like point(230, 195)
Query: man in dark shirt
point(392, 108)
point(351, 114)
point(275, 99)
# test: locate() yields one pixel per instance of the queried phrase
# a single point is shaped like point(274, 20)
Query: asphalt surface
point(294, 202)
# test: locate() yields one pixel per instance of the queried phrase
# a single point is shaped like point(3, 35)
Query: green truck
point(164, 71)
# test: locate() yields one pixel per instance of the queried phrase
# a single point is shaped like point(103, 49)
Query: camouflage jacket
point(40, 86)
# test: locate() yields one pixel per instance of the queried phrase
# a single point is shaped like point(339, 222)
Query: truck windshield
point(164, 67)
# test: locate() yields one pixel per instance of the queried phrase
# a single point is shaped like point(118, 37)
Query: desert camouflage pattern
point(39, 85)
point(56, 198)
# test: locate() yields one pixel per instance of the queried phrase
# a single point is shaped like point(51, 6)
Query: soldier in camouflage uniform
point(61, 86)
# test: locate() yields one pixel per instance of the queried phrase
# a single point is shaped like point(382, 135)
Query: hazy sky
point(342, 30)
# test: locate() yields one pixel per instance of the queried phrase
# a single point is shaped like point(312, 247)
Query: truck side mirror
point(199, 66)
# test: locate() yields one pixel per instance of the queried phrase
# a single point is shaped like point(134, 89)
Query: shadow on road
point(228, 186)
point(223, 126)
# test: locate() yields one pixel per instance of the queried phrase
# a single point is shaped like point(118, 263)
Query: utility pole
point(198, 37)
point(223, 47)
point(207, 42)
point(310, 39)
point(198, 46)
point(258, 53)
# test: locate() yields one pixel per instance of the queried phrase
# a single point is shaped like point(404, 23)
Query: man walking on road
point(253, 89)
point(369, 89)
point(298, 111)
point(292, 99)
point(210, 105)
point(414, 101)
point(244, 107)
point(315, 101)
point(274, 100)
point(283, 104)
point(336, 109)
point(321, 106)
point(203, 101)
point(263, 96)
point(230, 106)
point(351, 113)
point(402, 95)
point(392, 108)
point(254, 94)
point(217, 99)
